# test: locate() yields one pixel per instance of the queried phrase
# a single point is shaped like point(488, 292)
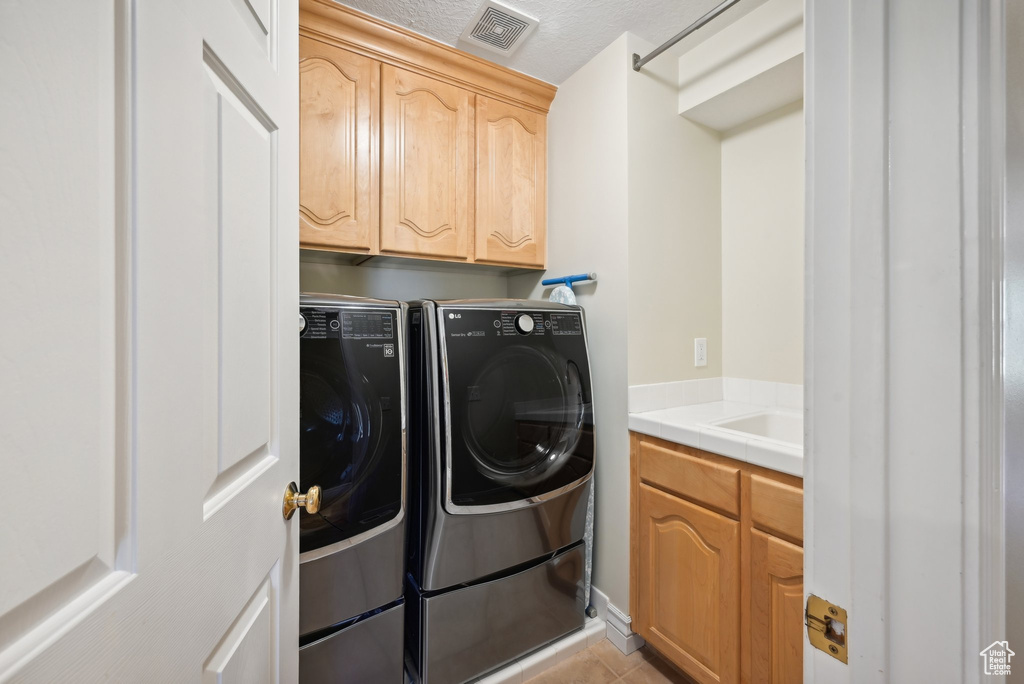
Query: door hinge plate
point(826, 627)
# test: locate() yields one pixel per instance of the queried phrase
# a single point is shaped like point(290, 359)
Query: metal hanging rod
point(639, 62)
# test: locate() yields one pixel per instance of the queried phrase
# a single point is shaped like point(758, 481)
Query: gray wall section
point(386, 282)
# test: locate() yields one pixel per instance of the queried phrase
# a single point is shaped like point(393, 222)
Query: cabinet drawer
point(777, 508)
point(713, 484)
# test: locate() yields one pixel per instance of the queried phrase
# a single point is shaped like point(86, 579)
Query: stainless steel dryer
point(352, 445)
point(501, 454)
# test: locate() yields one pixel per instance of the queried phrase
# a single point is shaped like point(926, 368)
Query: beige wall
point(763, 248)
point(675, 238)
point(587, 219)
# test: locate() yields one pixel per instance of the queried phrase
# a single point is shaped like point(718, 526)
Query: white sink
point(778, 425)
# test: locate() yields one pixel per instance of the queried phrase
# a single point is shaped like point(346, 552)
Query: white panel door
point(149, 347)
point(902, 470)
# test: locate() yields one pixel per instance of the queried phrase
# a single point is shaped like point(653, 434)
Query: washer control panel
point(566, 324)
point(511, 323)
point(316, 322)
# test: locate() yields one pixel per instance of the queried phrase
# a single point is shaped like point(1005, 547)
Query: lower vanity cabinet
point(689, 590)
point(776, 609)
point(716, 581)
point(776, 578)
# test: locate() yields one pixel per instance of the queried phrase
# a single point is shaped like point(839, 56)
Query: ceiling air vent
point(498, 28)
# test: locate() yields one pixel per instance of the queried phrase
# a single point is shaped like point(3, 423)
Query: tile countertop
point(691, 425)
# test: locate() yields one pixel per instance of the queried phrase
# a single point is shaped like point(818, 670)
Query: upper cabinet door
point(427, 167)
point(511, 145)
point(339, 113)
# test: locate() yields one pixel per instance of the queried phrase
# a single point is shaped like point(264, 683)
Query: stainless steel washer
point(502, 453)
point(352, 445)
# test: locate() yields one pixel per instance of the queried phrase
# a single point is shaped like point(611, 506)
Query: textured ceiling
point(571, 32)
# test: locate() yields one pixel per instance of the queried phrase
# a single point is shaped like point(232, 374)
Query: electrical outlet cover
point(700, 352)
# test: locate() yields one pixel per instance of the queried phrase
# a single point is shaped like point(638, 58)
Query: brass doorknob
point(292, 500)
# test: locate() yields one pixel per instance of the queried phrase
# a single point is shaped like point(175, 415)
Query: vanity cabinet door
point(776, 610)
point(426, 167)
point(688, 588)
point(511, 184)
point(339, 110)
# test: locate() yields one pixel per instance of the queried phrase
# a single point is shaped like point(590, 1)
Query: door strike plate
point(826, 627)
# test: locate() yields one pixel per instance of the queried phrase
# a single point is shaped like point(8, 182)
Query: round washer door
point(526, 418)
point(520, 408)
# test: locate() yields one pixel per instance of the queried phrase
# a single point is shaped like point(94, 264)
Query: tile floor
point(602, 663)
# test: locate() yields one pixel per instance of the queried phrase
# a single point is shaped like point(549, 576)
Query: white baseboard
point(619, 631)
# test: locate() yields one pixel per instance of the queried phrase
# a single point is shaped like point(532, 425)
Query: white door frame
point(905, 166)
point(1013, 333)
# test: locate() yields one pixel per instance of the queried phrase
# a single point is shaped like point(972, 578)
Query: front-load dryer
point(352, 445)
point(501, 456)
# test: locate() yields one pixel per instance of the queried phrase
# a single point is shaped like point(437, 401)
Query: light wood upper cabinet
point(511, 184)
point(689, 585)
point(339, 112)
point(427, 166)
point(412, 148)
point(716, 566)
point(776, 610)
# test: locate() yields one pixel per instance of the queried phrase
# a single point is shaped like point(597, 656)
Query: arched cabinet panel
point(776, 610)
point(339, 115)
point(427, 166)
point(511, 183)
point(689, 585)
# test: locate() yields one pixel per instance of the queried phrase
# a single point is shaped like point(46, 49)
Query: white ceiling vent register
point(498, 28)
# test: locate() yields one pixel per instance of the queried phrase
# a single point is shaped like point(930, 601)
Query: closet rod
point(639, 62)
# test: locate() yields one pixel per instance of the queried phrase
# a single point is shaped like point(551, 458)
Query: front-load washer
point(501, 456)
point(352, 445)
